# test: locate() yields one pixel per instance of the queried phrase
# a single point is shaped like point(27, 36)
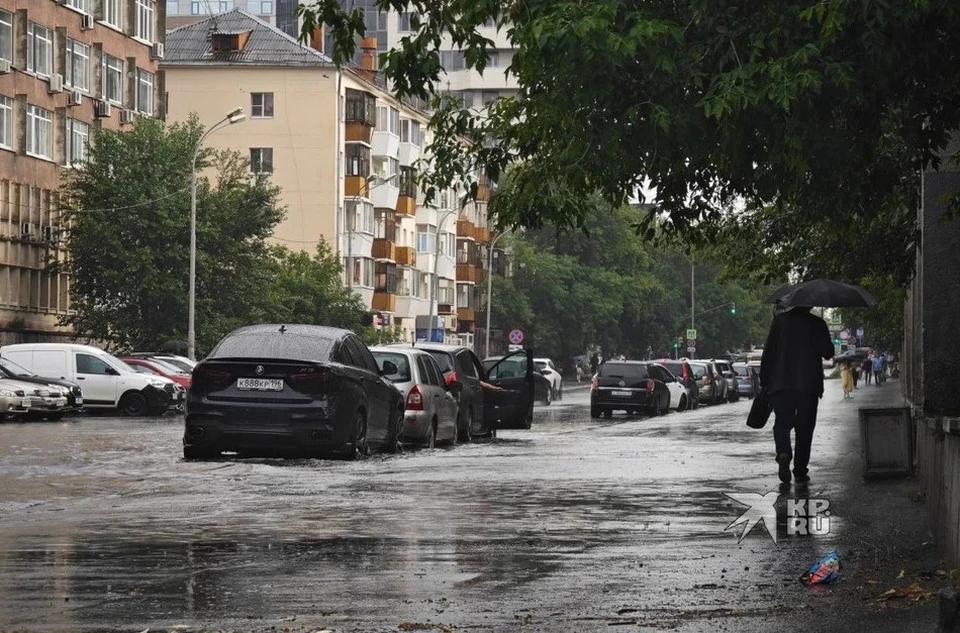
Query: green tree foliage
point(129, 243)
point(823, 112)
point(573, 291)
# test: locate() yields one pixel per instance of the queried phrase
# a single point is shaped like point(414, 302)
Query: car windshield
point(741, 370)
point(511, 367)
point(541, 364)
point(674, 368)
point(622, 370)
point(274, 345)
point(167, 366)
point(400, 363)
point(140, 369)
point(181, 364)
point(699, 371)
point(14, 369)
point(443, 359)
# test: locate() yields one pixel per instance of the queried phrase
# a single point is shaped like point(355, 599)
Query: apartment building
point(67, 67)
point(344, 152)
point(280, 13)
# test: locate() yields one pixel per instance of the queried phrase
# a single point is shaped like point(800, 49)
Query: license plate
point(621, 393)
point(25, 403)
point(260, 384)
point(79, 401)
point(61, 402)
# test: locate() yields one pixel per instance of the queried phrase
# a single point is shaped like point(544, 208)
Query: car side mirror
point(454, 387)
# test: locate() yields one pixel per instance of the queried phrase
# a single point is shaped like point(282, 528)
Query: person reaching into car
point(486, 386)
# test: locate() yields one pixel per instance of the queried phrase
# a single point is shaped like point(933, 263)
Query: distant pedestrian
point(867, 367)
point(846, 379)
point(877, 368)
point(791, 370)
point(855, 370)
point(579, 373)
point(594, 363)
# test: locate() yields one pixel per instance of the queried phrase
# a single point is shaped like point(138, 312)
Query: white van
point(107, 381)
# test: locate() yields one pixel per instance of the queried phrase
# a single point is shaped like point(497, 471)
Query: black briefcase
point(760, 410)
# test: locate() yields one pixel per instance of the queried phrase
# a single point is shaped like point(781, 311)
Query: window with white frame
point(195, 7)
point(266, 7)
point(145, 24)
point(113, 79)
point(145, 92)
point(6, 122)
point(410, 132)
point(39, 132)
point(78, 136)
point(81, 5)
point(361, 216)
point(261, 160)
point(445, 291)
point(363, 272)
point(261, 105)
point(39, 49)
point(77, 70)
point(493, 59)
point(448, 243)
point(426, 238)
point(113, 12)
point(388, 120)
point(6, 35)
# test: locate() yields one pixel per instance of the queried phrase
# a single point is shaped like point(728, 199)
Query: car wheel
point(432, 435)
point(55, 417)
point(548, 399)
point(393, 445)
point(465, 430)
point(560, 392)
point(595, 411)
point(359, 449)
point(133, 404)
point(683, 404)
point(193, 453)
point(608, 413)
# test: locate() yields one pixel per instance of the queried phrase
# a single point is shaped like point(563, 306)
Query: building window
point(361, 216)
point(78, 135)
point(39, 132)
point(426, 238)
point(361, 107)
point(261, 160)
point(493, 61)
point(80, 5)
point(173, 7)
point(386, 224)
point(409, 21)
point(113, 79)
point(261, 105)
point(145, 92)
point(113, 12)
point(266, 7)
point(39, 49)
point(363, 272)
point(77, 71)
point(451, 60)
point(145, 21)
point(445, 292)
point(388, 120)
point(195, 8)
point(6, 122)
point(386, 280)
point(6, 35)
point(410, 132)
point(358, 160)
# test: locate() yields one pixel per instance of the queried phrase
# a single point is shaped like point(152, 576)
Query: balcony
point(384, 302)
point(406, 256)
point(481, 234)
point(409, 154)
point(466, 314)
point(483, 193)
point(358, 132)
point(465, 229)
point(386, 144)
point(384, 195)
point(355, 186)
point(481, 274)
point(466, 273)
point(445, 308)
point(384, 249)
point(407, 205)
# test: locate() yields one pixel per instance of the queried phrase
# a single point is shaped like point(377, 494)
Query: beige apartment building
point(345, 154)
point(67, 67)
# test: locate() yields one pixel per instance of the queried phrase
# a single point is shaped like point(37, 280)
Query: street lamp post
point(435, 283)
point(234, 116)
point(352, 220)
point(490, 290)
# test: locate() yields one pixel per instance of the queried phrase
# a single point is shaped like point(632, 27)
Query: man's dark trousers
point(795, 411)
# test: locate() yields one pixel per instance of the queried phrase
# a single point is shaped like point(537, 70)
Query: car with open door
point(542, 385)
point(282, 389)
point(678, 392)
point(511, 408)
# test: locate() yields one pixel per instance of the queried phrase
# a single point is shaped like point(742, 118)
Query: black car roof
point(436, 347)
point(301, 329)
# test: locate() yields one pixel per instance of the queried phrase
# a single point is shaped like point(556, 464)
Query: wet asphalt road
point(575, 525)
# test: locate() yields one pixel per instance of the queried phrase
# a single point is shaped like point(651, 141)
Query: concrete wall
point(938, 453)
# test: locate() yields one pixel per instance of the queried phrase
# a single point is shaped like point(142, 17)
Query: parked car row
point(656, 387)
point(51, 380)
point(305, 389)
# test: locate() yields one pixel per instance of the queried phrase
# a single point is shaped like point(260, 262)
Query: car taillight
point(322, 381)
point(594, 384)
point(650, 386)
point(450, 378)
point(415, 399)
point(207, 378)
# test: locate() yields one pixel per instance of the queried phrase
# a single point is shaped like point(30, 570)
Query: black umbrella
point(824, 293)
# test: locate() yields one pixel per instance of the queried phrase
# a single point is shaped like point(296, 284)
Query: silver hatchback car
point(431, 410)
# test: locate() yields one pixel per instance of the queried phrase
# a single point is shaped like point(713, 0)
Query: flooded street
point(575, 525)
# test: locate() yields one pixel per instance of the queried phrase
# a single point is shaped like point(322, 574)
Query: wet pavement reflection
point(577, 524)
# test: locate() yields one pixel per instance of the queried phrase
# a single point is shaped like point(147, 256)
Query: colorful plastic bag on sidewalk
point(824, 571)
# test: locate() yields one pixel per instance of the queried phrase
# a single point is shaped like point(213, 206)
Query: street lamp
point(490, 289)
point(351, 221)
point(234, 116)
point(435, 283)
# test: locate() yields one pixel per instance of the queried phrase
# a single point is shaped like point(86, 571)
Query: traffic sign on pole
point(691, 335)
point(691, 349)
point(516, 336)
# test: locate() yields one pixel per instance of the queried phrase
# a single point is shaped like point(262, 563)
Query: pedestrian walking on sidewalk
point(579, 373)
point(867, 368)
point(846, 379)
point(877, 369)
point(791, 370)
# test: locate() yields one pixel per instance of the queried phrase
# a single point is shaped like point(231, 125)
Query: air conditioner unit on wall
point(86, 22)
point(103, 109)
point(5, 67)
point(51, 233)
point(156, 51)
point(27, 229)
point(76, 98)
point(127, 117)
point(55, 83)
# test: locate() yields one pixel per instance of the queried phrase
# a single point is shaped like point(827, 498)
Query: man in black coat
point(791, 371)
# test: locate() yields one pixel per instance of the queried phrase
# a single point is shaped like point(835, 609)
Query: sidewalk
point(891, 568)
